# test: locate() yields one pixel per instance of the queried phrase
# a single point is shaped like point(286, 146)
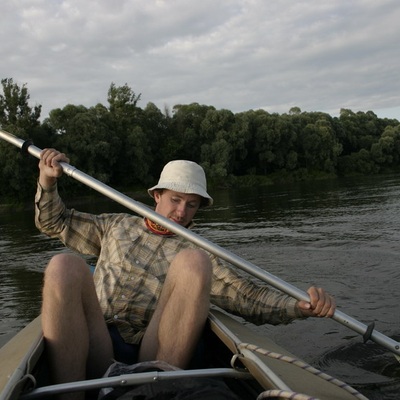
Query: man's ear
point(157, 195)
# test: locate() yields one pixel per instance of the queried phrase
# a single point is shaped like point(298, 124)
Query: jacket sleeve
point(80, 232)
point(250, 299)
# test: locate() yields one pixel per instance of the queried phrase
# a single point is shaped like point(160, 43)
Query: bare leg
point(73, 325)
point(181, 312)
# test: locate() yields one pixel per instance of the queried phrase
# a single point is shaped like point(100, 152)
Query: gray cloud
point(234, 54)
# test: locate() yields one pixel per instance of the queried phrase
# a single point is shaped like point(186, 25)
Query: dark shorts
point(129, 353)
point(123, 352)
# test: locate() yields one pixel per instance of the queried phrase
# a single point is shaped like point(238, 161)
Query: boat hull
point(20, 356)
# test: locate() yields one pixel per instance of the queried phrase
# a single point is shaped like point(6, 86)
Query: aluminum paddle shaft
point(368, 332)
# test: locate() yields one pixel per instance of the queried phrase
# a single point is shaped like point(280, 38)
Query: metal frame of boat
point(252, 364)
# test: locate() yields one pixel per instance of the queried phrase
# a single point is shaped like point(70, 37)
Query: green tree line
point(126, 146)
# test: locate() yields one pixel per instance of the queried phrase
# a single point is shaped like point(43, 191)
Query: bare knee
point(193, 258)
point(66, 269)
point(193, 265)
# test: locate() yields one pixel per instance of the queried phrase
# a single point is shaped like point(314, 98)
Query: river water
point(342, 235)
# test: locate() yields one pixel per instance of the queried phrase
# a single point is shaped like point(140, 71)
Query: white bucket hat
point(185, 177)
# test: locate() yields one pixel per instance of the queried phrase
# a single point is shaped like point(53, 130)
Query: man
point(151, 291)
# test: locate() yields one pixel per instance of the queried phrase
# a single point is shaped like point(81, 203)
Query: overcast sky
point(319, 55)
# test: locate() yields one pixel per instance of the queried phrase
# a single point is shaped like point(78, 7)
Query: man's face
point(178, 207)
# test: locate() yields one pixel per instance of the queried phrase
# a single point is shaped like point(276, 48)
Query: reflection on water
point(342, 235)
point(367, 367)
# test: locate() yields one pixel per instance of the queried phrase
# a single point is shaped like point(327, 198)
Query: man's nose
point(181, 209)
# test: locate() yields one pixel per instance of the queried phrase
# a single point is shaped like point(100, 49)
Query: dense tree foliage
point(17, 172)
point(122, 144)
